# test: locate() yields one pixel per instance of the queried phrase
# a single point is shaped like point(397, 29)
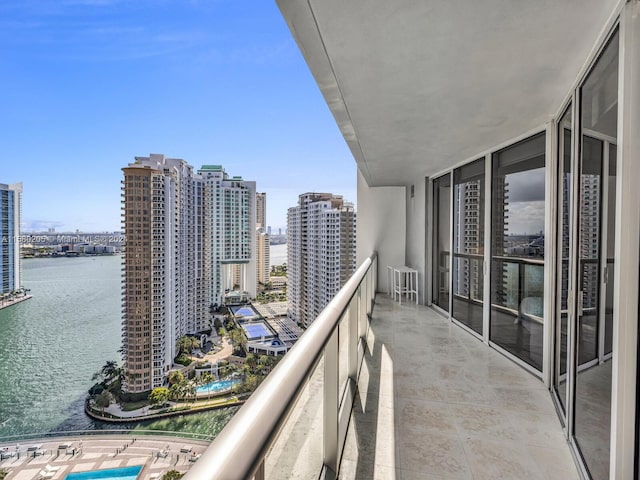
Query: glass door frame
point(486, 293)
point(557, 163)
point(549, 272)
point(574, 296)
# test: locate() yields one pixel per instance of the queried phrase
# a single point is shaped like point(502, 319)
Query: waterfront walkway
point(181, 408)
point(13, 301)
point(156, 454)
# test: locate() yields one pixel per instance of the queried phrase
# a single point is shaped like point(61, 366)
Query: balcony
point(429, 401)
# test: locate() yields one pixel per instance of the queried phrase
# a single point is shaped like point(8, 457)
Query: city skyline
point(94, 83)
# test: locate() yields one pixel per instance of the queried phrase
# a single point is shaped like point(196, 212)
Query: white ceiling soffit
point(416, 86)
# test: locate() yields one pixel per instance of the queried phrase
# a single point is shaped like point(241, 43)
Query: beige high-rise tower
point(321, 253)
point(185, 233)
point(262, 240)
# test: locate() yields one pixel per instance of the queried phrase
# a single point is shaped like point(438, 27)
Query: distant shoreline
point(30, 257)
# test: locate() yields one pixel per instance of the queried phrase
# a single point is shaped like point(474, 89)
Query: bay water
point(52, 344)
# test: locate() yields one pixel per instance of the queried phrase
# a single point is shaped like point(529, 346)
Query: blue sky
point(89, 84)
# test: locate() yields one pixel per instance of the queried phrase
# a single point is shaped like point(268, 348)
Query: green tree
point(3, 473)
point(230, 324)
point(159, 396)
point(188, 344)
point(252, 362)
point(108, 371)
point(176, 391)
point(190, 391)
point(239, 340)
point(172, 475)
point(217, 323)
point(251, 382)
point(205, 378)
point(103, 400)
point(267, 362)
point(175, 377)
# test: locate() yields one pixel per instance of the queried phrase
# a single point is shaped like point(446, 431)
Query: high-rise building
point(262, 240)
point(262, 256)
point(229, 222)
point(10, 211)
point(321, 253)
point(261, 210)
point(184, 233)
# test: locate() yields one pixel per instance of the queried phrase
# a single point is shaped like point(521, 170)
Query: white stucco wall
point(381, 226)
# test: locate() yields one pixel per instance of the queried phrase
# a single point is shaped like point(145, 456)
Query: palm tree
point(267, 362)
point(176, 391)
point(188, 390)
point(175, 376)
point(188, 344)
point(205, 378)
point(252, 362)
point(109, 370)
point(239, 340)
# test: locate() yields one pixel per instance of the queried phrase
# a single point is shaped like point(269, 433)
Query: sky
point(87, 85)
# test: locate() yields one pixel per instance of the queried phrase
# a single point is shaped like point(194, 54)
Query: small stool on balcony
point(405, 282)
point(390, 281)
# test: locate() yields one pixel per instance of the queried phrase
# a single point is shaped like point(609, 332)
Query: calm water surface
point(51, 345)
point(278, 254)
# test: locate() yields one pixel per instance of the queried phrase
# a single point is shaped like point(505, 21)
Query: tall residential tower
point(10, 210)
point(321, 252)
point(262, 240)
point(184, 233)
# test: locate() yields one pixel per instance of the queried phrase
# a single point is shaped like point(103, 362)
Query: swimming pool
point(215, 387)
point(125, 473)
point(256, 330)
point(245, 312)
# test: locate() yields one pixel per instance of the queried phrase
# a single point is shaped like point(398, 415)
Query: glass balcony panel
point(297, 453)
point(468, 244)
point(343, 353)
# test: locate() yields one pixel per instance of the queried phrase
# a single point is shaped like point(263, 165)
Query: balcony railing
point(295, 424)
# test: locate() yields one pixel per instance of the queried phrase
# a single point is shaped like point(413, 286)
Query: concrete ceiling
point(417, 86)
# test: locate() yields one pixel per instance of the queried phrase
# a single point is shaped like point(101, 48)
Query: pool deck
point(101, 452)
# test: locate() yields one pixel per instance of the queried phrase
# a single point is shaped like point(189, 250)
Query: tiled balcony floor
point(436, 403)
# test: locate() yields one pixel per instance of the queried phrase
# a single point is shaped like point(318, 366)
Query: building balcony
point(381, 390)
point(433, 401)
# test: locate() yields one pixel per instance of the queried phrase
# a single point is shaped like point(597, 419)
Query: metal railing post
point(353, 339)
point(330, 405)
point(260, 475)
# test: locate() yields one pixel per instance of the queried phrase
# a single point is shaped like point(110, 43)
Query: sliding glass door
point(517, 249)
point(468, 244)
point(595, 207)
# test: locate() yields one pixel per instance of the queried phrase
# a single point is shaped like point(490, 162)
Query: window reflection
point(599, 107)
point(517, 249)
